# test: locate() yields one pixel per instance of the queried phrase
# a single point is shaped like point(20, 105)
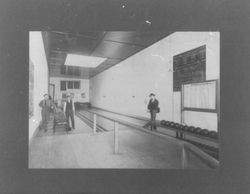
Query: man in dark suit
point(69, 110)
point(46, 105)
point(153, 108)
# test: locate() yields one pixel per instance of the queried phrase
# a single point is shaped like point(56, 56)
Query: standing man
point(45, 104)
point(153, 108)
point(69, 110)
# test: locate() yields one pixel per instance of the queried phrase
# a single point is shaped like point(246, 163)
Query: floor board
point(81, 148)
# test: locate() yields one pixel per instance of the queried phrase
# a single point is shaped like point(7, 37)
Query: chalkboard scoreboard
point(189, 67)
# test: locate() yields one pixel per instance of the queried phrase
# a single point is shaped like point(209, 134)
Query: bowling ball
point(176, 125)
point(171, 124)
point(204, 132)
point(167, 123)
point(163, 122)
point(191, 129)
point(197, 130)
point(181, 127)
point(185, 128)
point(210, 134)
point(213, 134)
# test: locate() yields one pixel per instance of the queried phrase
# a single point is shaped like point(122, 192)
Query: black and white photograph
point(124, 100)
point(124, 96)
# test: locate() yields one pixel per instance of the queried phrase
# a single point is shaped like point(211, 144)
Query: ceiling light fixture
point(148, 22)
point(83, 61)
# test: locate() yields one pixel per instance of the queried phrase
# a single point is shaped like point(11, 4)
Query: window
point(70, 70)
point(63, 85)
point(70, 84)
point(76, 84)
point(63, 69)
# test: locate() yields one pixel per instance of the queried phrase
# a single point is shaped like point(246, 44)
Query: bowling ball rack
point(202, 134)
point(191, 130)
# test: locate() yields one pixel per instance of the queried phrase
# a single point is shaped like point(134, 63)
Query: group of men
point(47, 105)
point(69, 110)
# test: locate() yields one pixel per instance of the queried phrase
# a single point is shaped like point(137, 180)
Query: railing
point(204, 157)
point(186, 149)
point(116, 122)
point(212, 141)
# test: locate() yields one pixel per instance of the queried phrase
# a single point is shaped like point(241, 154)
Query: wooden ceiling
point(116, 46)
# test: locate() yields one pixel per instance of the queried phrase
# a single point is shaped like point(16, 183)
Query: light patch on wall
point(156, 85)
point(161, 57)
point(83, 61)
point(83, 95)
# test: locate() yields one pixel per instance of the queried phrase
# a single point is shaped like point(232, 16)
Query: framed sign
point(189, 66)
point(200, 96)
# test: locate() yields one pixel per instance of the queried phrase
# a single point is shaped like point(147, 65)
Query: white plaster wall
point(38, 57)
point(203, 120)
point(126, 86)
point(182, 42)
point(84, 88)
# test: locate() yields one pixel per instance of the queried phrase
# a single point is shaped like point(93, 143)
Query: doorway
point(52, 91)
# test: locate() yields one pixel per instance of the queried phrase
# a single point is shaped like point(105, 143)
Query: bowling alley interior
point(124, 100)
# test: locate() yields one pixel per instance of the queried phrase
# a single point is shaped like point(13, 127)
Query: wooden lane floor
point(84, 149)
point(135, 121)
point(48, 150)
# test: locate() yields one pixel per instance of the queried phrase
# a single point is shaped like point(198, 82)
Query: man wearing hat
point(153, 108)
point(46, 105)
point(69, 110)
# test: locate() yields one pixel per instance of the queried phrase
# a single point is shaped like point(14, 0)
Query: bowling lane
point(141, 123)
point(80, 127)
point(110, 126)
point(87, 150)
point(107, 124)
point(81, 148)
point(48, 150)
point(136, 150)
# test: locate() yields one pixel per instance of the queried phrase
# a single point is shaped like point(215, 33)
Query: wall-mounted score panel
point(202, 95)
point(189, 67)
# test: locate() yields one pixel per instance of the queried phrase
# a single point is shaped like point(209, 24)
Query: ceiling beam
point(56, 58)
point(75, 34)
point(98, 43)
point(127, 43)
point(58, 51)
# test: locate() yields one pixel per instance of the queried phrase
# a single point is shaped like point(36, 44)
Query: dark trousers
point(45, 119)
point(69, 113)
point(153, 118)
